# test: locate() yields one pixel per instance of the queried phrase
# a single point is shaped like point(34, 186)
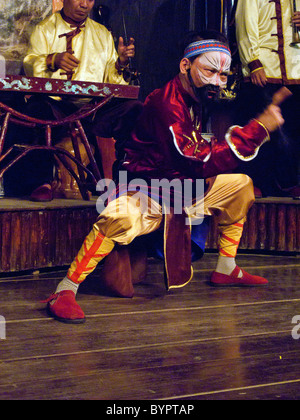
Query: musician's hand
point(259, 78)
point(271, 118)
point(66, 61)
point(126, 51)
point(296, 19)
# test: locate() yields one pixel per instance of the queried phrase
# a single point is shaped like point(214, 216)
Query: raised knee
point(248, 189)
point(245, 180)
point(246, 183)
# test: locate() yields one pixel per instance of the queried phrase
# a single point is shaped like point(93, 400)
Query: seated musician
point(167, 143)
point(69, 45)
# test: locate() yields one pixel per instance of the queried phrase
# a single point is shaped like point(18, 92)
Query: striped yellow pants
point(228, 198)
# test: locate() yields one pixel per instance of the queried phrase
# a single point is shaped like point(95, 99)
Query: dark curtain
point(158, 28)
point(218, 14)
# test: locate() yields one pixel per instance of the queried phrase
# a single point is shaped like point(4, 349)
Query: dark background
point(158, 27)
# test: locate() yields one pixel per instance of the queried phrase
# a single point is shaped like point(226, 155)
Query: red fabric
point(63, 307)
point(249, 138)
point(218, 279)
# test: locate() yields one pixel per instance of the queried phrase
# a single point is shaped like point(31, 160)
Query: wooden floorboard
point(195, 343)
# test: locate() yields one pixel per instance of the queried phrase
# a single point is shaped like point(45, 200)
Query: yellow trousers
point(228, 198)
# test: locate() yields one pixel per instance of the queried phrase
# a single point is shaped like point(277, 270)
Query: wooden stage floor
point(195, 343)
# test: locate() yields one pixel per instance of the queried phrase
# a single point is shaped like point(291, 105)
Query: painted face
point(78, 10)
point(211, 68)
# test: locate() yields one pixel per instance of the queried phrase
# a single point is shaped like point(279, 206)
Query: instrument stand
point(9, 115)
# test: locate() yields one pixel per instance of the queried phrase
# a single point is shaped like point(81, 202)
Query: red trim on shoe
point(219, 279)
point(54, 296)
point(63, 307)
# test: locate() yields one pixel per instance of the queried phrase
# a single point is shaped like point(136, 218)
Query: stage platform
point(42, 235)
point(36, 236)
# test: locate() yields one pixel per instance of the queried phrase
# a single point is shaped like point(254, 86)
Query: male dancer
point(167, 143)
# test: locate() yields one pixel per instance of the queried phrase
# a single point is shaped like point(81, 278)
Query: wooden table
point(63, 88)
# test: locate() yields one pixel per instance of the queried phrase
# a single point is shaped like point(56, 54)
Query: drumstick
point(281, 95)
point(278, 98)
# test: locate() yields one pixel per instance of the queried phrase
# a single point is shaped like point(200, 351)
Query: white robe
point(264, 33)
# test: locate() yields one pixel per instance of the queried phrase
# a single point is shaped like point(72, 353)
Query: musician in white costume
point(69, 45)
point(264, 35)
point(93, 57)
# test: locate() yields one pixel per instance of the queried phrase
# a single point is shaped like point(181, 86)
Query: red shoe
point(257, 192)
point(63, 307)
point(42, 193)
point(218, 279)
